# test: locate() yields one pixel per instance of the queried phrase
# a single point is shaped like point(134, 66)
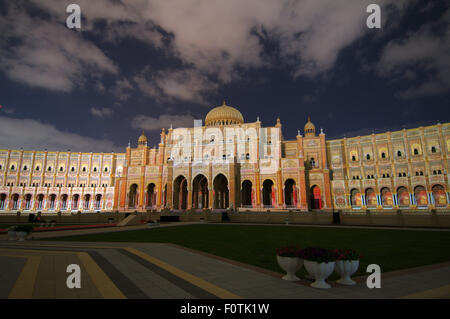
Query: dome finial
point(224, 103)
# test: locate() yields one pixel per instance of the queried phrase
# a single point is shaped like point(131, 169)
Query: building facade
point(229, 163)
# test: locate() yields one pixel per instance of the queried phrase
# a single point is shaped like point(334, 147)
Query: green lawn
point(256, 245)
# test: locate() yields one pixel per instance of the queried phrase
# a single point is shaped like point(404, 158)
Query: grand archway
point(87, 201)
point(403, 196)
point(132, 196)
point(355, 198)
point(439, 196)
point(420, 195)
point(151, 195)
point(3, 201)
point(386, 197)
point(200, 195)
point(221, 193)
point(64, 198)
point(268, 197)
point(28, 198)
point(52, 202)
point(98, 202)
point(371, 198)
point(316, 197)
point(180, 193)
point(247, 193)
point(15, 201)
point(40, 201)
point(290, 193)
point(75, 201)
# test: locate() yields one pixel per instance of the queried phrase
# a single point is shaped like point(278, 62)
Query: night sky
point(141, 65)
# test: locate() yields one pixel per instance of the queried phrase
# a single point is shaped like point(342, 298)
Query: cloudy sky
point(144, 64)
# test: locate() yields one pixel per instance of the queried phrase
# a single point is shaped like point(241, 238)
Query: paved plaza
point(37, 269)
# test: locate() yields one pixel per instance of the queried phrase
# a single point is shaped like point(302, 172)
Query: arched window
point(404, 174)
point(61, 169)
point(72, 169)
point(247, 156)
point(312, 162)
point(439, 172)
point(37, 168)
point(84, 169)
point(49, 169)
point(434, 172)
point(1, 167)
point(368, 156)
point(433, 149)
point(353, 158)
point(421, 173)
point(106, 169)
point(399, 153)
point(95, 169)
point(416, 151)
point(383, 155)
point(13, 167)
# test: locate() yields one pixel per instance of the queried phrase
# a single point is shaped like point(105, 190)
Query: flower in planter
point(347, 264)
point(288, 251)
point(320, 255)
point(346, 254)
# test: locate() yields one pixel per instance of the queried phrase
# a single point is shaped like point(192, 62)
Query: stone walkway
point(37, 269)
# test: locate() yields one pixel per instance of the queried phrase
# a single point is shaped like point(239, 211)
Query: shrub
point(24, 228)
point(321, 255)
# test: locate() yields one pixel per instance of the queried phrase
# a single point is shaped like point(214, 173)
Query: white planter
point(320, 272)
point(345, 269)
point(290, 265)
point(11, 235)
point(21, 235)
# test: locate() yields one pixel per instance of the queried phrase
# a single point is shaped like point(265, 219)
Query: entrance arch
point(200, 195)
point(247, 193)
point(221, 200)
point(87, 200)
point(403, 196)
point(268, 194)
point(28, 201)
point(420, 195)
point(371, 198)
point(52, 204)
point(15, 201)
point(355, 198)
point(98, 202)
point(316, 197)
point(40, 200)
point(290, 193)
point(132, 196)
point(439, 196)
point(75, 201)
point(64, 201)
point(3, 201)
point(151, 195)
point(180, 193)
point(386, 197)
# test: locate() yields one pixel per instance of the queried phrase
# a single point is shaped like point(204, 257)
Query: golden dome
point(142, 139)
point(223, 115)
point(310, 128)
